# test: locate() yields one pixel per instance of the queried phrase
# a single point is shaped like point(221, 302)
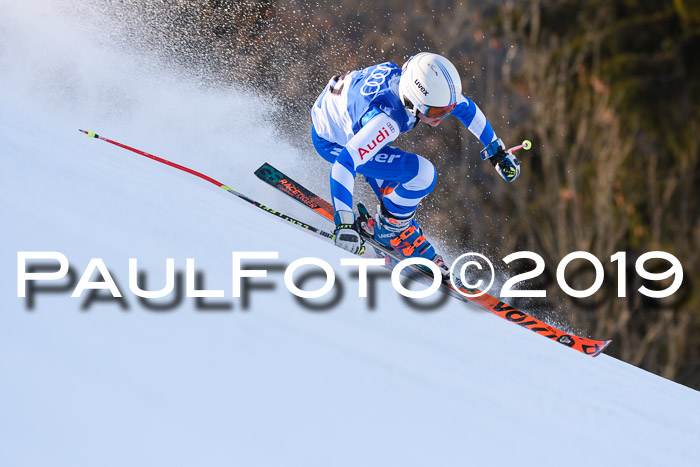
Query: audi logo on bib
point(381, 136)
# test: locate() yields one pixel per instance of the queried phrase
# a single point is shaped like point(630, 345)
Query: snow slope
point(276, 384)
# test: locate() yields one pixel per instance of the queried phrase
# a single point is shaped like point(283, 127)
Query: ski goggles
point(439, 112)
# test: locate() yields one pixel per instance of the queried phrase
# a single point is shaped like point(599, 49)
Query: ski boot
point(402, 235)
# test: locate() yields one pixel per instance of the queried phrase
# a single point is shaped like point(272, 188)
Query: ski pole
point(526, 145)
point(281, 215)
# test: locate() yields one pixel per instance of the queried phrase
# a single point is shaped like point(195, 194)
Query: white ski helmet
point(430, 84)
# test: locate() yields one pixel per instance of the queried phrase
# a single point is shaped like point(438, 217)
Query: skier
point(356, 117)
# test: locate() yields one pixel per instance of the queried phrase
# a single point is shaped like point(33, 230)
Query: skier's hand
point(506, 164)
point(346, 234)
point(508, 168)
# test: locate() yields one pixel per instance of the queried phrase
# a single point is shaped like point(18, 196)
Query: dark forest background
point(607, 91)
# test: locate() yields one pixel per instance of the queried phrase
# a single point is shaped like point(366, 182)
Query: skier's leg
point(376, 186)
point(398, 178)
point(404, 179)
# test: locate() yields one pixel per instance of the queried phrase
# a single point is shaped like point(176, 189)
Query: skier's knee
point(425, 178)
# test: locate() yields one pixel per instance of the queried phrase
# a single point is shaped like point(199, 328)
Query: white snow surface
point(276, 384)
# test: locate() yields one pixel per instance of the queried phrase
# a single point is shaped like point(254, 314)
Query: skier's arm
point(373, 136)
point(507, 166)
point(474, 119)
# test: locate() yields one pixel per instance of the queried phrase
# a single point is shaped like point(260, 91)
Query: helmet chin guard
point(429, 80)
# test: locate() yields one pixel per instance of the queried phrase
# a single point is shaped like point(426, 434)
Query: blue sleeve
point(474, 119)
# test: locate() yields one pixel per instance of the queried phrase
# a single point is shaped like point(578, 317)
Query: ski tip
point(602, 348)
point(260, 171)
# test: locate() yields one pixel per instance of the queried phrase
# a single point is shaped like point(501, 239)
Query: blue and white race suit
point(354, 120)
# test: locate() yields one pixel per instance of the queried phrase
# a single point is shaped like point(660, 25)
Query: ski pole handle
point(526, 145)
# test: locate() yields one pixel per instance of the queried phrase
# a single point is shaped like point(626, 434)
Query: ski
point(274, 177)
point(277, 179)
